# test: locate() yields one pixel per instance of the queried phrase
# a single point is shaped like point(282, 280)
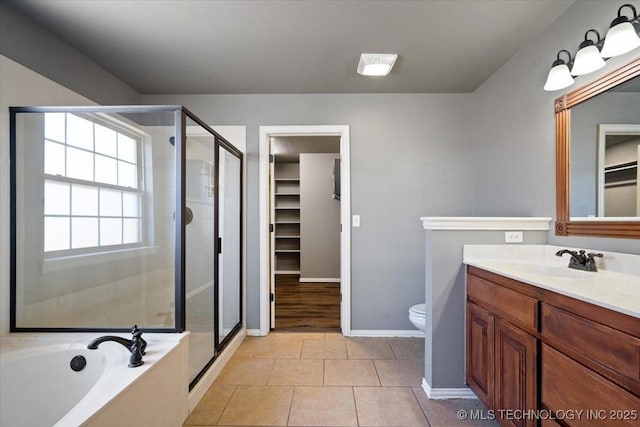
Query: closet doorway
point(305, 232)
point(305, 262)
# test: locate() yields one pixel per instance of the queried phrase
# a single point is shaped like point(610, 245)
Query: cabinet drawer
point(567, 385)
point(612, 349)
point(509, 304)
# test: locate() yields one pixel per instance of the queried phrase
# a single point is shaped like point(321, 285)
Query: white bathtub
point(39, 388)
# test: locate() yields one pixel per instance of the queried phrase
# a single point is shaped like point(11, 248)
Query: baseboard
point(319, 280)
point(198, 392)
point(253, 332)
point(386, 333)
point(447, 393)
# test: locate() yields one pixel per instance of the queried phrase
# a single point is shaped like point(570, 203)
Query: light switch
point(355, 222)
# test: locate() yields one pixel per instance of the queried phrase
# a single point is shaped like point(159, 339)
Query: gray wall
point(410, 157)
point(319, 218)
point(514, 126)
point(27, 43)
point(445, 292)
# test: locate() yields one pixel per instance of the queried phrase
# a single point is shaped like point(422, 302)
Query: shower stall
point(126, 215)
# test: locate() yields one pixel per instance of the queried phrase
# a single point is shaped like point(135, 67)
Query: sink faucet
point(581, 260)
point(136, 345)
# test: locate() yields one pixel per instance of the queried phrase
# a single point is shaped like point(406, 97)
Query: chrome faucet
point(581, 260)
point(136, 345)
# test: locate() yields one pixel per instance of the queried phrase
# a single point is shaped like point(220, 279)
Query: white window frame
point(141, 138)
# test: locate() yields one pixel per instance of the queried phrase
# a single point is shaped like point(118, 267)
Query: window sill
point(83, 260)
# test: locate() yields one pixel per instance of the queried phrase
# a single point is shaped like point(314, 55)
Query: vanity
point(551, 346)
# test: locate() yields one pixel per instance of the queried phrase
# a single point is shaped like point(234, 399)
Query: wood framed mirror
point(581, 213)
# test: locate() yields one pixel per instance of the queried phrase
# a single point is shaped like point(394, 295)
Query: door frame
point(605, 129)
point(265, 133)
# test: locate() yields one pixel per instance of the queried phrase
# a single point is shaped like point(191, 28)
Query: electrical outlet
point(513, 237)
point(355, 222)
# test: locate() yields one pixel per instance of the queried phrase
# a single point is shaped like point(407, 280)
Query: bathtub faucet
point(136, 345)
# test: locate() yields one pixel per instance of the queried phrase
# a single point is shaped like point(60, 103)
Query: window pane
point(130, 204)
point(79, 164)
point(54, 126)
point(53, 158)
point(131, 231)
point(79, 132)
point(56, 198)
point(106, 141)
point(84, 201)
point(110, 231)
point(110, 202)
point(84, 232)
point(127, 149)
point(106, 170)
point(56, 234)
point(127, 175)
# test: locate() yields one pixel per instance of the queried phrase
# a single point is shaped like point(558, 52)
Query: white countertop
point(615, 290)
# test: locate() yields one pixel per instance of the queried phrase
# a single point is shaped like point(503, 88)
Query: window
point(92, 194)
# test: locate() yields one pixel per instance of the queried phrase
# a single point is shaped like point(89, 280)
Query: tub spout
point(136, 345)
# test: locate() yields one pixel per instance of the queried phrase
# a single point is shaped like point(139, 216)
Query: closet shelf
point(621, 167)
point(620, 183)
point(286, 209)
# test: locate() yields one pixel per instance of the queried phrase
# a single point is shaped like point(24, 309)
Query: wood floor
point(309, 307)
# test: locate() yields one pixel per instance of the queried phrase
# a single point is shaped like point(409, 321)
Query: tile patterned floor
point(325, 379)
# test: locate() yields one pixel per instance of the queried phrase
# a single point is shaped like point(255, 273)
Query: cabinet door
point(568, 386)
point(480, 346)
point(515, 372)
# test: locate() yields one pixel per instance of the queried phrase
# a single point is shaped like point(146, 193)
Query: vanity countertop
point(618, 291)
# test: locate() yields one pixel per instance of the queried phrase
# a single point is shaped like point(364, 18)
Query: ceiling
point(287, 149)
point(254, 46)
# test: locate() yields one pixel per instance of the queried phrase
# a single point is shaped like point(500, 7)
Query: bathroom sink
point(551, 271)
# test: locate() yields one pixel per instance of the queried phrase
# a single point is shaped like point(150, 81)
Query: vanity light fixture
point(588, 57)
point(621, 37)
point(376, 64)
point(559, 76)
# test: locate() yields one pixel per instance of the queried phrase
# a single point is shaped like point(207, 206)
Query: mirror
point(597, 154)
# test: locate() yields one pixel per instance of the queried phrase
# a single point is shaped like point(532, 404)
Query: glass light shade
point(376, 64)
point(621, 38)
point(376, 70)
point(559, 77)
point(587, 60)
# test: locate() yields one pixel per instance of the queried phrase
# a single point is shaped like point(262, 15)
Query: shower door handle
point(188, 215)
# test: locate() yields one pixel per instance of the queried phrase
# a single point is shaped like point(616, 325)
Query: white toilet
point(416, 316)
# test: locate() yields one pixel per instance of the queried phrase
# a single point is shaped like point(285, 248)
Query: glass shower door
point(230, 229)
point(200, 247)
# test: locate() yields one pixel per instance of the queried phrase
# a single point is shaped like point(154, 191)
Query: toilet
point(416, 316)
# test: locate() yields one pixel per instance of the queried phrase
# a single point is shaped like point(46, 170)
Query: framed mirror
point(597, 155)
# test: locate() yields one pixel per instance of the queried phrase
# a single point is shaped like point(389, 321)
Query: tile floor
point(318, 379)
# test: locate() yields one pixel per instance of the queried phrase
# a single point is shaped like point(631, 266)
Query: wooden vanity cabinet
point(501, 354)
point(533, 349)
point(515, 372)
point(480, 345)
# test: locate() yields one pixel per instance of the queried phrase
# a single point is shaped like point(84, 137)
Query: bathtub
point(38, 387)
